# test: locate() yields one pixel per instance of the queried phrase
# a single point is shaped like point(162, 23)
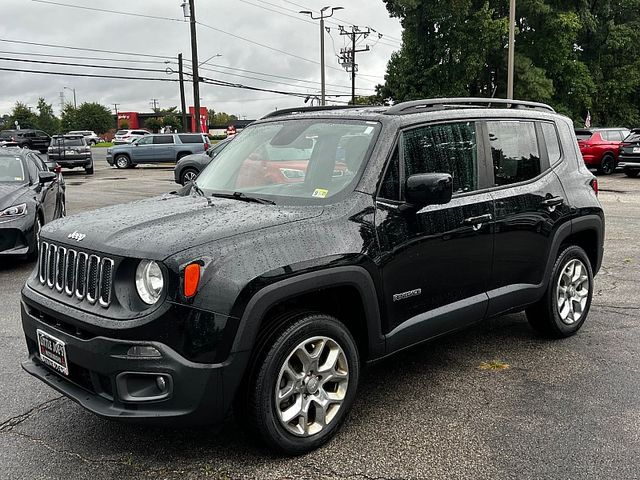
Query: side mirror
point(429, 189)
point(46, 177)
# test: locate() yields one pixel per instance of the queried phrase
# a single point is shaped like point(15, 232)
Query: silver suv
point(157, 149)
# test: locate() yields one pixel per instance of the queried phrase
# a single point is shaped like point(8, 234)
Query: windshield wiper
point(197, 189)
point(243, 197)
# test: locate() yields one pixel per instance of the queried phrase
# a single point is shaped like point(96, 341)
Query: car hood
point(10, 193)
point(159, 227)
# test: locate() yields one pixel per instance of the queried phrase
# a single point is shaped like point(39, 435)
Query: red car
point(600, 147)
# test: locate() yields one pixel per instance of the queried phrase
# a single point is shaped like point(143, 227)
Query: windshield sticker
point(368, 130)
point(320, 193)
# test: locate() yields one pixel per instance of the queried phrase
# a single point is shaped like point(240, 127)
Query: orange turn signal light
point(191, 279)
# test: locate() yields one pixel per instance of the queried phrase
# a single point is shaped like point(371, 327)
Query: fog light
point(143, 351)
point(161, 384)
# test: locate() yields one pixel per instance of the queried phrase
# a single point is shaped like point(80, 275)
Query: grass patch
point(493, 365)
point(104, 144)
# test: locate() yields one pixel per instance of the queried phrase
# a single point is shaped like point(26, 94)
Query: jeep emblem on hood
point(77, 236)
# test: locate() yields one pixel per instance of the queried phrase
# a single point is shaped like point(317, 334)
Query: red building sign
point(204, 119)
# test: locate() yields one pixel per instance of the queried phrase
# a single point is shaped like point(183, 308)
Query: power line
point(68, 64)
point(87, 75)
point(76, 57)
point(104, 10)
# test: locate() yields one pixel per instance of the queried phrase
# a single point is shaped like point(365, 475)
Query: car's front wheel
point(188, 175)
point(303, 384)
point(631, 173)
point(122, 161)
point(565, 305)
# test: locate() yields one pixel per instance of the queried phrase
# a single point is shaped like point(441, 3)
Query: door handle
point(553, 202)
point(476, 222)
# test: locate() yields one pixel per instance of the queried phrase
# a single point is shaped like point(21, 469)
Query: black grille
point(67, 270)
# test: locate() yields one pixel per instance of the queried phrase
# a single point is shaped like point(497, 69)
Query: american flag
point(587, 121)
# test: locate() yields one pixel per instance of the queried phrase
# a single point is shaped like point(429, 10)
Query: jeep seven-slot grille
point(88, 277)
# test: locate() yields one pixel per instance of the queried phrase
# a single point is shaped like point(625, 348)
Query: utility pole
point(154, 104)
point(115, 106)
point(322, 18)
point(348, 55)
point(512, 41)
point(194, 65)
point(61, 102)
point(75, 104)
point(183, 104)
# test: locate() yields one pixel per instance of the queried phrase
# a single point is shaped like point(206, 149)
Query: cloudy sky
point(262, 43)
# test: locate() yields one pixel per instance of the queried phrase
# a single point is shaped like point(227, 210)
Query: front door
point(142, 150)
point(530, 207)
point(435, 262)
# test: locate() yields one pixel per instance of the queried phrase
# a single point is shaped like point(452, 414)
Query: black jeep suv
point(319, 240)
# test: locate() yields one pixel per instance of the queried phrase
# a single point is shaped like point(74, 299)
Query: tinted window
point(11, 169)
point(68, 142)
point(33, 169)
point(191, 138)
point(390, 187)
point(121, 132)
point(140, 132)
point(145, 141)
point(583, 135)
point(514, 149)
point(165, 139)
point(449, 148)
point(552, 142)
point(6, 134)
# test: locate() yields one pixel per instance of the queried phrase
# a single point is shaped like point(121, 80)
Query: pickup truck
point(157, 149)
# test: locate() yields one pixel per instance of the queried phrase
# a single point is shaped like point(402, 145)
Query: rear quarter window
point(191, 138)
point(551, 141)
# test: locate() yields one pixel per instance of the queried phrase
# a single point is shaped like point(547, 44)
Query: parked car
point(71, 151)
point(190, 166)
point(630, 154)
point(30, 196)
point(28, 138)
point(271, 298)
point(89, 135)
point(600, 147)
point(128, 136)
point(160, 148)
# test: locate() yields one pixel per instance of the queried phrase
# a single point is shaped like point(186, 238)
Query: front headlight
point(15, 211)
point(149, 281)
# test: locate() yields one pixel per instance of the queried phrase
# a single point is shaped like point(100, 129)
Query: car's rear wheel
point(188, 175)
point(565, 305)
point(608, 165)
point(631, 173)
point(122, 161)
point(302, 384)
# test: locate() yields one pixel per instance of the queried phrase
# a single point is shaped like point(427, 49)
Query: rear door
point(436, 262)
point(530, 206)
point(163, 148)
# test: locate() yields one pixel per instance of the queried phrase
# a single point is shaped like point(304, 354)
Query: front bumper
point(106, 381)
point(16, 236)
point(629, 162)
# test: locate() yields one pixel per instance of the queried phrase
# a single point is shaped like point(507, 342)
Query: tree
point(88, 116)
point(46, 120)
point(577, 55)
point(23, 115)
point(368, 100)
point(154, 124)
point(221, 118)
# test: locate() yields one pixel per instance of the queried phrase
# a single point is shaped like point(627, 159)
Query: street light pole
point(512, 41)
point(321, 18)
point(75, 104)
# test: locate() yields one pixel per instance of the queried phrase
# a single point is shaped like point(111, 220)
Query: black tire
point(89, 170)
point(545, 316)
point(608, 165)
point(37, 226)
point(256, 405)
point(122, 161)
point(186, 174)
point(631, 173)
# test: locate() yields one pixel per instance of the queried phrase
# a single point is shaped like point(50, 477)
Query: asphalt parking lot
point(562, 409)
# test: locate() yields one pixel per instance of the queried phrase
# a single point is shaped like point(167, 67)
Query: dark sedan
point(630, 154)
point(30, 196)
point(189, 167)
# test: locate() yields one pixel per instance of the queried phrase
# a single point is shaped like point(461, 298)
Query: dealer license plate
point(69, 152)
point(52, 352)
point(636, 149)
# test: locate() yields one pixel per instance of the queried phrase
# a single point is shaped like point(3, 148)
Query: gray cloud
point(42, 23)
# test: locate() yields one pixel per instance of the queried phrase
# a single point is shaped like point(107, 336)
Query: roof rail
point(418, 106)
point(287, 111)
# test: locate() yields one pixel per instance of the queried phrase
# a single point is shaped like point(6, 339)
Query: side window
point(447, 148)
point(390, 186)
point(33, 169)
point(552, 142)
point(145, 140)
point(165, 139)
point(514, 150)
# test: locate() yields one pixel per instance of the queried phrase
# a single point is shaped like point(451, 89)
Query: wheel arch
point(348, 293)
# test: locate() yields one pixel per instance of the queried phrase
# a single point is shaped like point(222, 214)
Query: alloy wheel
point(572, 291)
point(122, 162)
point(311, 387)
point(188, 176)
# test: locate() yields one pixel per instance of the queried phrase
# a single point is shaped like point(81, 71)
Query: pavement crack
point(8, 425)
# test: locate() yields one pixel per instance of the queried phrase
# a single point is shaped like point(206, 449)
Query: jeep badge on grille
point(77, 236)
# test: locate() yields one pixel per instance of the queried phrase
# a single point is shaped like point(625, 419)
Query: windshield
point(11, 169)
point(296, 159)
